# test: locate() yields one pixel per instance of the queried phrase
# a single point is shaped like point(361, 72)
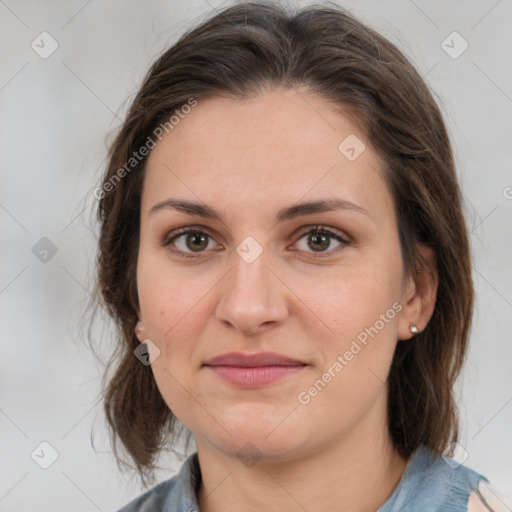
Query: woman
point(284, 252)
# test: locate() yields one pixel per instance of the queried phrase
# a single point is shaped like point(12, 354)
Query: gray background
point(55, 114)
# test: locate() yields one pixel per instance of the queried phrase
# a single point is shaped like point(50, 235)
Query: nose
point(254, 298)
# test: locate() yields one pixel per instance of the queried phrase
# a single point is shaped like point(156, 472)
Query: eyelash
point(318, 229)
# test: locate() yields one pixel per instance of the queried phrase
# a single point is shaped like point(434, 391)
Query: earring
point(413, 329)
point(138, 327)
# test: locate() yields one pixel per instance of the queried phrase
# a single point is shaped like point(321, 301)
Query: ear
point(140, 331)
point(419, 295)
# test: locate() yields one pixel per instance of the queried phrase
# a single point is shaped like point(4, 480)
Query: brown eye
point(188, 241)
point(196, 241)
point(319, 240)
point(191, 242)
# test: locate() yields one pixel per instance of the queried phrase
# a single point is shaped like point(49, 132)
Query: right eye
point(189, 242)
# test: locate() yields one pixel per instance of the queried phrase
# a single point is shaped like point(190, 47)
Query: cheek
point(347, 301)
point(360, 311)
point(356, 312)
point(168, 297)
point(171, 311)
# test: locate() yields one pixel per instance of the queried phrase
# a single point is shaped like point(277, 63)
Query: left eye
point(319, 238)
point(188, 241)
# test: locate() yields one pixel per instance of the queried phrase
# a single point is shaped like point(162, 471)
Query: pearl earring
point(413, 329)
point(138, 327)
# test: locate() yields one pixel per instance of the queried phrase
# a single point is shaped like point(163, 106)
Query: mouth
point(254, 370)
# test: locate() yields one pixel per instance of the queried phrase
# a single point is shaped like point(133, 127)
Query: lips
point(253, 360)
point(254, 370)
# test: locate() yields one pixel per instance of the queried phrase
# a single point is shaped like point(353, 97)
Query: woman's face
point(256, 280)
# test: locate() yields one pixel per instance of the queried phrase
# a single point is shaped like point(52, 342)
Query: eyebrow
point(284, 214)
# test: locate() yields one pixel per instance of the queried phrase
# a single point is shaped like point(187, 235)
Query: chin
point(251, 451)
point(259, 441)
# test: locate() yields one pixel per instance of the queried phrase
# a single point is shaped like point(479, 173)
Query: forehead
point(269, 150)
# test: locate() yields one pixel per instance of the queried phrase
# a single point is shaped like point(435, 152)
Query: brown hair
point(245, 50)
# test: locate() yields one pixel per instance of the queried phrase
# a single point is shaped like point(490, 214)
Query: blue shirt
point(430, 483)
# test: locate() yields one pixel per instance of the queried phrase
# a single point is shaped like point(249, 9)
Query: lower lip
point(254, 377)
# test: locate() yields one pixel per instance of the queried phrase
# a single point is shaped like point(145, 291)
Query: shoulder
point(176, 493)
point(485, 499)
point(434, 483)
point(154, 499)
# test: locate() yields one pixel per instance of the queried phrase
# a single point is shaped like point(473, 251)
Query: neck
point(357, 473)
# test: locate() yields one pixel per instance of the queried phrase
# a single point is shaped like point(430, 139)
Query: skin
point(248, 159)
